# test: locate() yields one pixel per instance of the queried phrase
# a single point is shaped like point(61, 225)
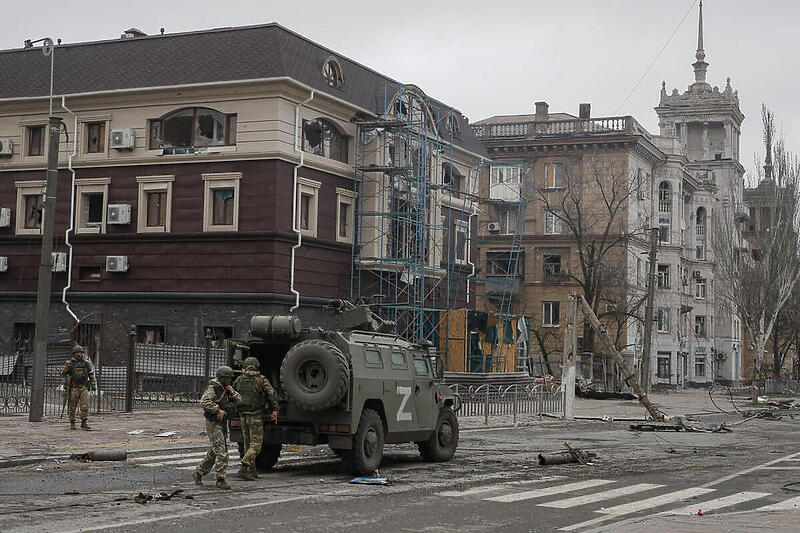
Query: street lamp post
point(46, 261)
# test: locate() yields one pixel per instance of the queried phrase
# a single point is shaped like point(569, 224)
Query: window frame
point(231, 121)
point(331, 126)
point(348, 197)
point(85, 187)
point(663, 320)
point(700, 282)
point(28, 188)
point(554, 175)
point(551, 273)
point(103, 139)
point(547, 315)
point(29, 128)
point(149, 184)
point(700, 358)
point(506, 219)
point(552, 218)
point(373, 364)
point(461, 226)
point(212, 182)
point(663, 276)
point(333, 76)
point(700, 329)
point(663, 356)
point(311, 188)
point(141, 328)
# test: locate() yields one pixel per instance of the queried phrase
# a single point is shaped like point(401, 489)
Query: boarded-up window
point(96, 137)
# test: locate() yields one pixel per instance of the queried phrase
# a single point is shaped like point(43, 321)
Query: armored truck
point(353, 389)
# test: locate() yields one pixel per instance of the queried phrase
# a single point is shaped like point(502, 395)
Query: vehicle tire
point(442, 443)
point(240, 445)
point(367, 452)
point(315, 375)
point(268, 456)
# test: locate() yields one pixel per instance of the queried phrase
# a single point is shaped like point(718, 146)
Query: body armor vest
point(80, 373)
point(253, 398)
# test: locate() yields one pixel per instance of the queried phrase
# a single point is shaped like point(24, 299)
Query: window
point(638, 271)
point(663, 277)
point(307, 204)
point(372, 356)
point(553, 175)
point(662, 319)
point(398, 358)
point(192, 128)
point(461, 228)
point(664, 229)
point(552, 266)
point(24, 334)
point(29, 207)
point(96, 137)
point(508, 220)
point(550, 312)
point(155, 204)
point(504, 263)
point(700, 362)
point(420, 367)
point(452, 179)
point(91, 203)
point(552, 222)
point(221, 201)
point(700, 326)
point(700, 288)
point(664, 197)
point(664, 365)
point(321, 137)
point(505, 174)
point(219, 335)
point(35, 138)
point(332, 73)
point(151, 334)
point(344, 215)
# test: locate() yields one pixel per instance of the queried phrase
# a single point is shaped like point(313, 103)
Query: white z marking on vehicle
point(405, 392)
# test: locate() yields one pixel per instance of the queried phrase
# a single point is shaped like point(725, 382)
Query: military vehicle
point(354, 389)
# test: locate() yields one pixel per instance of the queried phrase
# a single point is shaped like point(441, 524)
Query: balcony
point(500, 284)
point(577, 127)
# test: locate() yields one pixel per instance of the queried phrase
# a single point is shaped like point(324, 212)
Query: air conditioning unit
point(116, 263)
point(59, 261)
point(3, 264)
point(494, 227)
point(119, 214)
point(122, 139)
point(697, 274)
point(5, 217)
point(6, 148)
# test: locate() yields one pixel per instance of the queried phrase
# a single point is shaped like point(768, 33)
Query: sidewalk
point(772, 521)
point(52, 437)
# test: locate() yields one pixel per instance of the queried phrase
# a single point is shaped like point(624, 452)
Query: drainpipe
point(71, 227)
point(470, 263)
point(294, 198)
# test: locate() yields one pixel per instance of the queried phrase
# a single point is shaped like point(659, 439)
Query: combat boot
point(244, 473)
point(222, 484)
point(84, 424)
point(198, 478)
point(72, 424)
point(254, 471)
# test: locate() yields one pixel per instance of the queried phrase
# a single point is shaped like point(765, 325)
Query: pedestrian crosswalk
point(627, 500)
point(189, 460)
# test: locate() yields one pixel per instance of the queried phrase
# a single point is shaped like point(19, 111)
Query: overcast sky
point(495, 57)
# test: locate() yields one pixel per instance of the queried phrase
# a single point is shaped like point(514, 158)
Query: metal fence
point(774, 386)
point(509, 400)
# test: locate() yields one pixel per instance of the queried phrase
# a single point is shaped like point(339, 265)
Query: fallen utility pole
point(648, 311)
point(611, 348)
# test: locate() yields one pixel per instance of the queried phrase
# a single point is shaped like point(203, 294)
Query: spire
point(700, 65)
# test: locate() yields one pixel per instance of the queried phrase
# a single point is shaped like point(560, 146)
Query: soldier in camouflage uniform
point(258, 398)
point(217, 400)
point(80, 380)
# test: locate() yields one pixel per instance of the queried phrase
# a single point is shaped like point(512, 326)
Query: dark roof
point(217, 55)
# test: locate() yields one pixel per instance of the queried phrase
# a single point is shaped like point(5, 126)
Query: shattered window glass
point(209, 128)
point(33, 211)
point(320, 137)
point(195, 127)
point(178, 129)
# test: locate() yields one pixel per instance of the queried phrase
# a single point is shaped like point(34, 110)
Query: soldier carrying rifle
point(80, 380)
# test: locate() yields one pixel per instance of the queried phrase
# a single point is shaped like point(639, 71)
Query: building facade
point(214, 176)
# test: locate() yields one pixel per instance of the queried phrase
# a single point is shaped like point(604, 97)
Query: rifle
point(66, 397)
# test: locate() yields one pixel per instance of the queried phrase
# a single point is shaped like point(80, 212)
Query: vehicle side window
point(420, 367)
point(372, 357)
point(399, 359)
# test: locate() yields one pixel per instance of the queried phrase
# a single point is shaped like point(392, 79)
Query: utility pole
point(648, 311)
point(45, 273)
point(570, 349)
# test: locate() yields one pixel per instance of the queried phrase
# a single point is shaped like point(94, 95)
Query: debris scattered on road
point(143, 498)
point(71, 493)
point(375, 479)
point(102, 455)
point(136, 432)
point(571, 455)
point(167, 434)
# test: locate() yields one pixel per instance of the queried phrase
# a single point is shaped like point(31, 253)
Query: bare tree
point(757, 285)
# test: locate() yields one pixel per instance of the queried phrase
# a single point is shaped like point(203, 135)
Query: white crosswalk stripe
point(492, 488)
point(600, 496)
point(785, 505)
point(719, 503)
point(540, 493)
point(147, 458)
point(175, 462)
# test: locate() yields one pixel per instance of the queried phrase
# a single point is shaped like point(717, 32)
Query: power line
point(646, 72)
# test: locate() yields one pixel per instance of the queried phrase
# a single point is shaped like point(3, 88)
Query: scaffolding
point(416, 217)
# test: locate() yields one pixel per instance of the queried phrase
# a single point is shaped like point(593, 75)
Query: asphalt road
point(493, 483)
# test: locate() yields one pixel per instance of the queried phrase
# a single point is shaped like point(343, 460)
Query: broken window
point(33, 211)
point(36, 140)
point(551, 313)
point(332, 73)
point(91, 194)
point(321, 137)
point(96, 137)
point(193, 127)
point(504, 263)
point(452, 179)
point(552, 267)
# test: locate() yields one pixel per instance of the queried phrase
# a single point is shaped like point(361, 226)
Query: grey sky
point(497, 57)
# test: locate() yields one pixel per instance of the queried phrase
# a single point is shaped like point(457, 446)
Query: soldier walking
point(80, 380)
point(257, 398)
point(217, 401)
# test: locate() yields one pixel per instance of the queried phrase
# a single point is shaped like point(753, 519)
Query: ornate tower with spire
point(700, 66)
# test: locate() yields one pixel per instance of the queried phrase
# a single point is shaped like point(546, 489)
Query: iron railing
point(509, 400)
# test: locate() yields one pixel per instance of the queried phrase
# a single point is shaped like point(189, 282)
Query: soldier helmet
point(224, 372)
point(78, 349)
point(251, 362)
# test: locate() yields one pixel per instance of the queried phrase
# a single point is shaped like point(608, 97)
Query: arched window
point(321, 137)
point(664, 197)
point(194, 127)
point(332, 73)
